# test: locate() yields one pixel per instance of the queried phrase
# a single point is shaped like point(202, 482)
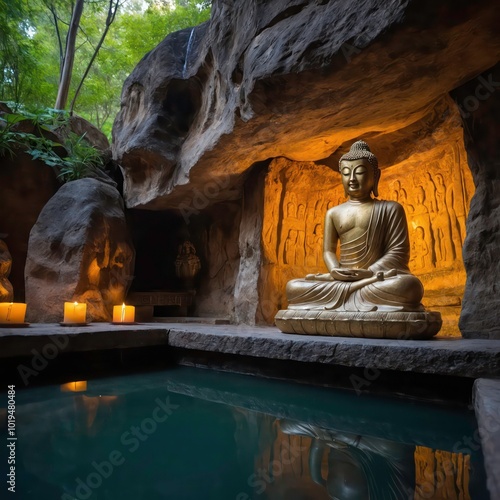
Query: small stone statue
point(187, 264)
point(6, 290)
point(370, 286)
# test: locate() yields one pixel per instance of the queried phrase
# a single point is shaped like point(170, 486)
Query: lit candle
point(79, 386)
point(12, 312)
point(123, 314)
point(74, 312)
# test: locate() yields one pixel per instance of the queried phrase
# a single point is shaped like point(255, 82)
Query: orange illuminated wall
point(435, 187)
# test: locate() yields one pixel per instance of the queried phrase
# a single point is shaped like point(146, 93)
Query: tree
point(68, 56)
point(56, 54)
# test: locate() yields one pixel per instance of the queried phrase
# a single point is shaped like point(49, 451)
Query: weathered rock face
point(288, 78)
point(6, 292)
point(79, 250)
point(479, 102)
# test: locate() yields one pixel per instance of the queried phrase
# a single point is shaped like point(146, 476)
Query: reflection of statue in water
point(371, 276)
point(187, 264)
point(373, 272)
point(359, 467)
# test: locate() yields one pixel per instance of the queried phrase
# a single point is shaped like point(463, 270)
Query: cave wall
point(216, 234)
point(298, 82)
point(479, 104)
point(288, 78)
point(434, 184)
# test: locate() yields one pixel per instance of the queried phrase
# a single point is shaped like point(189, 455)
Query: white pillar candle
point(75, 312)
point(12, 312)
point(123, 314)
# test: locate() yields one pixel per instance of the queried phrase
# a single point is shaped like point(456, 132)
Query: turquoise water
point(189, 434)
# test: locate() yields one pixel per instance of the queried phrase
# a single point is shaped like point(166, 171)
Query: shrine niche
point(433, 186)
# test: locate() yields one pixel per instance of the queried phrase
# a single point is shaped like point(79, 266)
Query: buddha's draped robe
point(384, 246)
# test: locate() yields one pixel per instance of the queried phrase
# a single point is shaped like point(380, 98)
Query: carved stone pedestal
point(377, 324)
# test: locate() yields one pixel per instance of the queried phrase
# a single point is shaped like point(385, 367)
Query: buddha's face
point(357, 178)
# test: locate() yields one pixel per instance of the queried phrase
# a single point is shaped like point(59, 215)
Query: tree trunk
point(69, 56)
point(112, 10)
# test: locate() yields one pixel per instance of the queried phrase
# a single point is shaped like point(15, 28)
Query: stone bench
point(145, 302)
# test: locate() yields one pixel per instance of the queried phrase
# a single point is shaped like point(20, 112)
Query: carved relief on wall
point(435, 188)
point(435, 193)
point(296, 198)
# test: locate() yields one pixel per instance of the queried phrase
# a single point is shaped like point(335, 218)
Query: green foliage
point(30, 54)
point(82, 160)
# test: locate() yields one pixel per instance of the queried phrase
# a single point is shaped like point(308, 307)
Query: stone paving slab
point(457, 357)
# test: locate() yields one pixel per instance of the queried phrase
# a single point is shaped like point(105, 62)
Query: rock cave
point(238, 138)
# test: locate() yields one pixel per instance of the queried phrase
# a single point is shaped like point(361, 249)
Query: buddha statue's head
point(360, 151)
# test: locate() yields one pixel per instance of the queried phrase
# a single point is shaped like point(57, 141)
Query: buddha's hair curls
point(359, 150)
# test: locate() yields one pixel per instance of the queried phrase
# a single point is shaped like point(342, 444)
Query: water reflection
point(359, 467)
point(188, 434)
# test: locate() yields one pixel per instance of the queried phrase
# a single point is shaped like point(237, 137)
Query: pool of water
point(192, 434)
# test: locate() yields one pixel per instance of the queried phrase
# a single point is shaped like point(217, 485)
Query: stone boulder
point(288, 78)
point(79, 250)
point(6, 290)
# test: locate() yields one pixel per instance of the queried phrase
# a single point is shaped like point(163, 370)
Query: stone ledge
point(456, 357)
point(95, 336)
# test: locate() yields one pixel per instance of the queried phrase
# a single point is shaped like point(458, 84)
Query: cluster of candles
point(74, 312)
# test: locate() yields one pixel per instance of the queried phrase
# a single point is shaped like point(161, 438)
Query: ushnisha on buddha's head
point(360, 172)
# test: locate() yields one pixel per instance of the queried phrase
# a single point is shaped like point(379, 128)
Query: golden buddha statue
point(372, 274)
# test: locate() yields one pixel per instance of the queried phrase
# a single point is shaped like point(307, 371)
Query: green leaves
point(30, 50)
point(81, 160)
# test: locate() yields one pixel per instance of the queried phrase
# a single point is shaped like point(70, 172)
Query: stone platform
point(376, 324)
point(459, 357)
